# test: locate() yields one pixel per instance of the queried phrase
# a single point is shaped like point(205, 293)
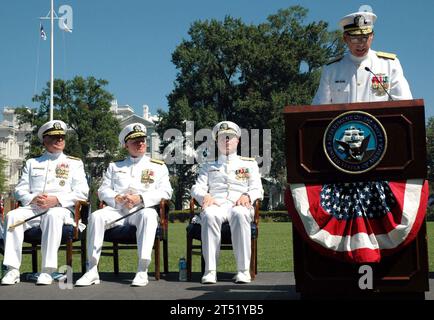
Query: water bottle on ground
point(182, 269)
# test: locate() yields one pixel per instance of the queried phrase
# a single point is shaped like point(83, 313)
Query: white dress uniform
point(55, 174)
point(346, 80)
point(226, 180)
point(146, 177)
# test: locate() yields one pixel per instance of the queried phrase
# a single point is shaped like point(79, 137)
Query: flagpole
point(52, 61)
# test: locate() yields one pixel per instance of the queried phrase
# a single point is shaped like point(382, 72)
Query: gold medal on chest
point(147, 176)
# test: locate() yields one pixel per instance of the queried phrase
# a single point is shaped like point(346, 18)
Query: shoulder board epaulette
point(73, 158)
point(386, 55)
point(157, 161)
point(247, 158)
point(335, 60)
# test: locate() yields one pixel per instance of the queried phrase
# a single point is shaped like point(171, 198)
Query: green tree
point(3, 178)
point(430, 150)
point(84, 105)
point(229, 70)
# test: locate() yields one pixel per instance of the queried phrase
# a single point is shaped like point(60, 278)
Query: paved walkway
point(267, 286)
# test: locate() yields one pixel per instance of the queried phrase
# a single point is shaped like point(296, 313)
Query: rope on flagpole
point(37, 65)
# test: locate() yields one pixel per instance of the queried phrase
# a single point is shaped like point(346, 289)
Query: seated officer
point(226, 190)
point(49, 184)
point(128, 185)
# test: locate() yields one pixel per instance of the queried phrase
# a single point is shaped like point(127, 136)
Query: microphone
point(381, 84)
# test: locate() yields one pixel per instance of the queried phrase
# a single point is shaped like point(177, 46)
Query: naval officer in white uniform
point(361, 75)
point(51, 183)
point(226, 190)
point(138, 181)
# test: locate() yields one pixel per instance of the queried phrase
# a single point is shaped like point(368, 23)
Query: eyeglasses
point(358, 39)
point(138, 140)
point(56, 137)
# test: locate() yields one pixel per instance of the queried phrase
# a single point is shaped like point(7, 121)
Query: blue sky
point(130, 42)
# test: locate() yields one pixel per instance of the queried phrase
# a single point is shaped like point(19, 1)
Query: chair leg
point(83, 254)
point(116, 257)
point(165, 256)
point(34, 258)
point(157, 258)
point(189, 249)
point(253, 257)
point(69, 253)
point(256, 257)
point(202, 262)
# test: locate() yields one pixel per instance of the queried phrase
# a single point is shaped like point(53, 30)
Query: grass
point(274, 251)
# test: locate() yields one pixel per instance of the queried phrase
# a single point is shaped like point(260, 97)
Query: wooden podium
point(401, 275)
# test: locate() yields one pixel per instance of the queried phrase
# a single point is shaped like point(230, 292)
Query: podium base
point(403, 275)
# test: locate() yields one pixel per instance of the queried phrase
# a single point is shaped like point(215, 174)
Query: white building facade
point(13, 145)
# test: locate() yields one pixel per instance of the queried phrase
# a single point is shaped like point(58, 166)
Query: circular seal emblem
point(355, 142)
point(62, 183)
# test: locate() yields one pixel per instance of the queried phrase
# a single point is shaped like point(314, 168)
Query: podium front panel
point(403, 121)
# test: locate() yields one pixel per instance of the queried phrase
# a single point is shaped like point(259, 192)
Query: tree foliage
point(246, 73)
point(84, 105)
point(3, 178)
point(430, 150)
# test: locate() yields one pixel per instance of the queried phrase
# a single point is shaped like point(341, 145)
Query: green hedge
point(276, 216)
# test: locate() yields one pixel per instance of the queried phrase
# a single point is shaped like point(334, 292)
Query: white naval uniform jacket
point(347, 81)
point(55, 174)
point(228, 178)
point(143, 176)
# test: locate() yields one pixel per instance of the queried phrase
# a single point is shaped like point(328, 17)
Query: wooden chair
point(70, 235)
point(194, 233)
point(124, 237)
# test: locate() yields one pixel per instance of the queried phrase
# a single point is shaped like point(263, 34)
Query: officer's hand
point(208, 200)
point(131, 200)
point(46, 202)
point(244, 201)
point(120, 199)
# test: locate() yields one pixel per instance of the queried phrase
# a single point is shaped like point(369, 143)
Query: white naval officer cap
point(131, 131)
point(52, 128)
point(360, 22)
point(226, 127)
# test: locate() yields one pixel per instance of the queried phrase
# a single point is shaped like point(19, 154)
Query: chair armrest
point(256, 205)
point(193, 203)
point(164, 212)
point(80, 205)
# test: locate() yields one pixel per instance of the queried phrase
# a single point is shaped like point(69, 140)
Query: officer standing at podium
point(362, 74)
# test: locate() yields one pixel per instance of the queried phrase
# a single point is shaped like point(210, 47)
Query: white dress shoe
point(243, 277)
point(88, 279)
point(44, 279)
point(210, 277)
point(11, 277)
point(141, 279)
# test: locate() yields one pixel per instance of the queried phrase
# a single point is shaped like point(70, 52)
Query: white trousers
point(239, 219)
point(145, 220)
point(51, 225)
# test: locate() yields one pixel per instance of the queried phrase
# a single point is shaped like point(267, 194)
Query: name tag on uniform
point(340, 81)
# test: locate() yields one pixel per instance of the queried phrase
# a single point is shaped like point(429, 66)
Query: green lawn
point(274, 251)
